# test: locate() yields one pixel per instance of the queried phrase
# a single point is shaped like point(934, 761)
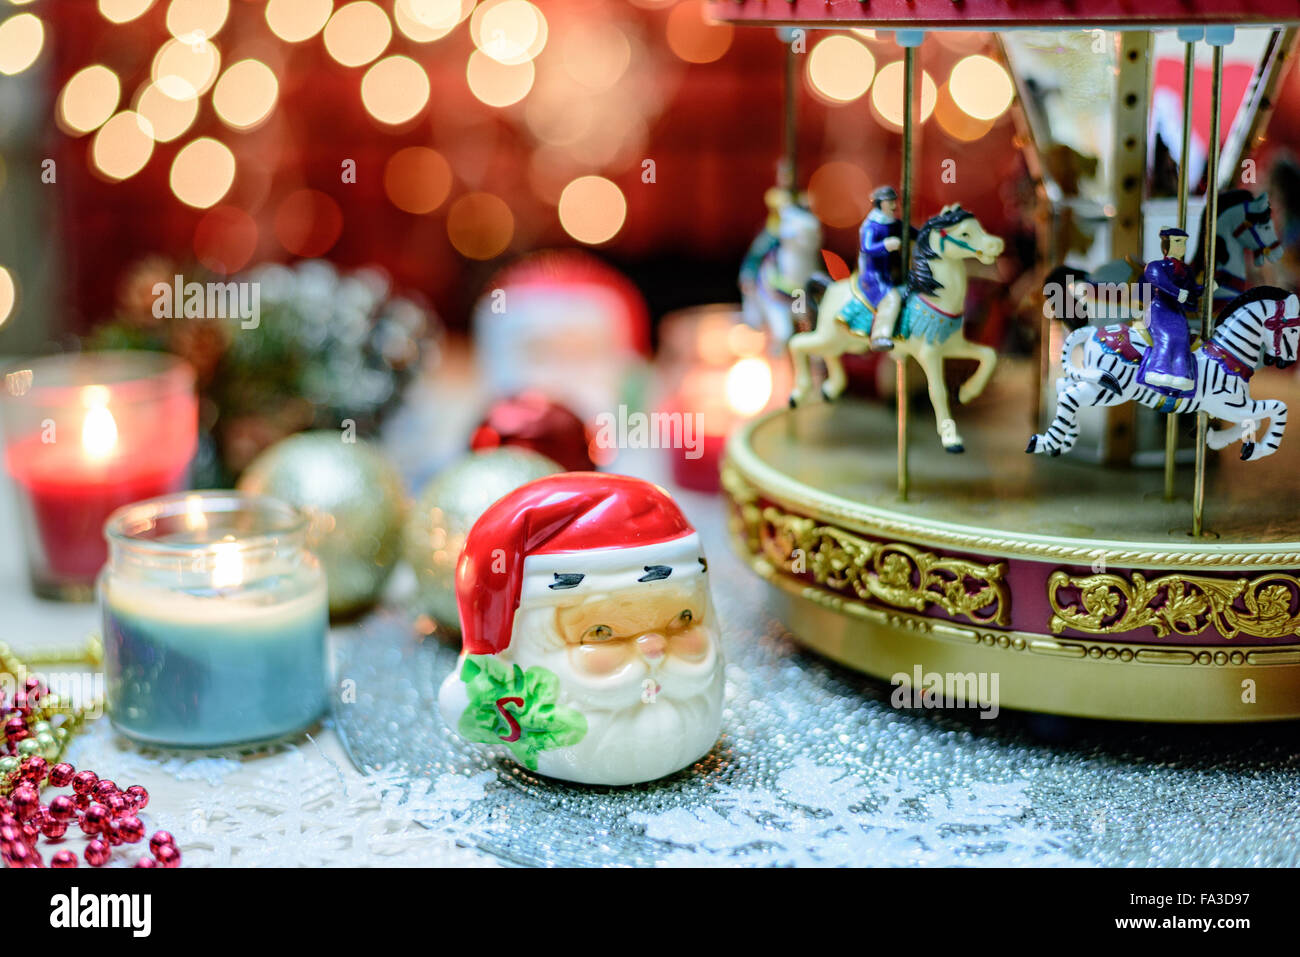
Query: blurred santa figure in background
point(590, 648)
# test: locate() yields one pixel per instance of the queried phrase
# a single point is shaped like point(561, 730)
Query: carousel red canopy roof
point(1004, 14)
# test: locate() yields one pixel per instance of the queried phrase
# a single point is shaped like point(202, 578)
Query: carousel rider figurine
point(775, 199)
point(1168, 366)
point(879, 264)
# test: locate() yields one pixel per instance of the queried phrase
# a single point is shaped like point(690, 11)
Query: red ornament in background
point(532, 421)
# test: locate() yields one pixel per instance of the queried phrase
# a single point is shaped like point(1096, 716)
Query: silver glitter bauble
point(446, 510)
point(356, 502)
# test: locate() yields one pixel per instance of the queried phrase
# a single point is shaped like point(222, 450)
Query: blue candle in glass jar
point(215, 621)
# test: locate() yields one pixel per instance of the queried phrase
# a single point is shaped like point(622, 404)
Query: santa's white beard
point(643, 721)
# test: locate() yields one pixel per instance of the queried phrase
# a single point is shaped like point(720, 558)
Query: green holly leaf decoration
point(517, 708)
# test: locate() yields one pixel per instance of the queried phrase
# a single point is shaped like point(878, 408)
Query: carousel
point(1112, 529)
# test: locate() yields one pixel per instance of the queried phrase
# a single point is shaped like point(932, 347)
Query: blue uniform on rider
point(878, 266)
point(1168, 366)
point(880, 260)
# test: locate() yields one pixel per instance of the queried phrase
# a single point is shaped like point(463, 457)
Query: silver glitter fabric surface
point(815, 767)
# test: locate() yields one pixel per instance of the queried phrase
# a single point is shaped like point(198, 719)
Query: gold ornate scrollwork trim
point(892, 573)
point(1178, 604)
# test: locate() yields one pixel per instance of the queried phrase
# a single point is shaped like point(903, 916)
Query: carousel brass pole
point(909, 40)
point(790, 171)
point(1217, 37)
point(1189, 71)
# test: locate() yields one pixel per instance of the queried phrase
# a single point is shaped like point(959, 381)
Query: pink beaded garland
point(97, 853)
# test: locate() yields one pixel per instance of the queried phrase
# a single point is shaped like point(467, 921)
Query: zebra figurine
point(1262, 325)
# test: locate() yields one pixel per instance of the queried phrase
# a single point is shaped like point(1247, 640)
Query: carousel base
point(1078, 589)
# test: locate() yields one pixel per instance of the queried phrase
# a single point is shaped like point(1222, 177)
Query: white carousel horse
point(1245, 224)
point(930, 325)
point(1260, 325)
point(777, 297)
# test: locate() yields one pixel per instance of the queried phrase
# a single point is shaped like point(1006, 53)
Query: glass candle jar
point(85, 434)
point(715, 373)
point(215, 621)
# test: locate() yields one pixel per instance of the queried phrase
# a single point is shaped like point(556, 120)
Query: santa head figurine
point(590, 649)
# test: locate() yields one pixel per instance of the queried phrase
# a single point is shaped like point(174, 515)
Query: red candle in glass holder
point(85, 435)
point(720, 400)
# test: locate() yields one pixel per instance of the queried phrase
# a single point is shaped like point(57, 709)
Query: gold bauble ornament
point(355, 500)
point(446, 510)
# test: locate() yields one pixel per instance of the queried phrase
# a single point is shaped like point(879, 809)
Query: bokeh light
point(308, 223)
point(88, 99)
point(496, 83)
point(245, 94)
point(395, 90)
point(21, 39)
point(123, 11)
point(840, 193)
point(596, 54)
point(957, 123)
point(202, 172)
point(749, 386)
point(196, 19)
point(424, 21)
point(417, 179)
point(186, 70)
point(592, 209)
point(981, 87)
point(225, 239)
point(168, 118)
point(887, 94)
point(509, 31)
point(294, 21)
point(122, 146)
point(841, 69)
point(693, 38)
point(8, 295)
point(480, 225)
point(358, 33)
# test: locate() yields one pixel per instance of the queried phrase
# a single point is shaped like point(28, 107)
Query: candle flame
point(227, 565)
point(195, 518)
point(99, 428)
point(749, 386)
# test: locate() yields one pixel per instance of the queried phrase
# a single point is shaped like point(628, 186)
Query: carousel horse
point(929, 328)
point(1260, 325)
point(778, 297)
point(1245, 224)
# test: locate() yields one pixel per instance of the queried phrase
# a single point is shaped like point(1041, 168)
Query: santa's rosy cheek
point(692, 645)
point(599, 659)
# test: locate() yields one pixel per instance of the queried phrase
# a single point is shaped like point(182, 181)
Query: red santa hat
point(567, 533)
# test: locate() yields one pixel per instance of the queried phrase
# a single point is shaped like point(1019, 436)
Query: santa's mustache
point(639, 682)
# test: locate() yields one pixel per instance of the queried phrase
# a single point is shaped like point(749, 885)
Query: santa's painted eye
point(686, 617)
point(598, 633)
